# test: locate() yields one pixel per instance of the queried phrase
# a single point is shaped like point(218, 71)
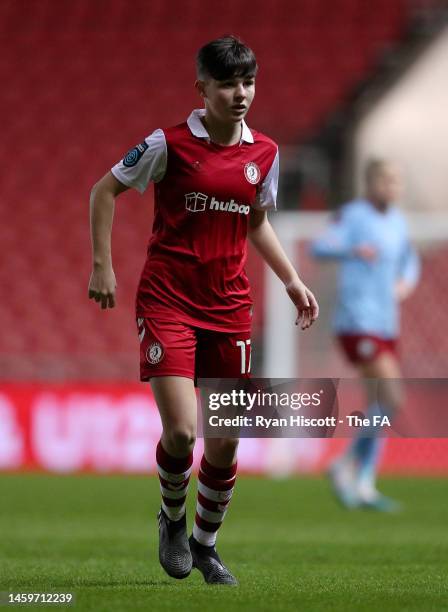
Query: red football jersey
point(194, 272)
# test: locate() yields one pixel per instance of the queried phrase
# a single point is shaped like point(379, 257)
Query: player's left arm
point(262, 236)
point(409, 270)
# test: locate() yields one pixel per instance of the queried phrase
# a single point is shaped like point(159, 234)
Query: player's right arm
point(102, 285)
point(143, 163)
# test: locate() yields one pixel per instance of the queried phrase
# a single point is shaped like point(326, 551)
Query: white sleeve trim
point(267, 194)
point(150, 165)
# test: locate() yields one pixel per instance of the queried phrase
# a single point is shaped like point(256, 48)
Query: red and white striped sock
point(215, 488)
point(174, 475)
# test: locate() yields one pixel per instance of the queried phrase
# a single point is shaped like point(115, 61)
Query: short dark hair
point(224, 58)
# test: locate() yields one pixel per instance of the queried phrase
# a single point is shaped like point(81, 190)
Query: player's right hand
point(305, 302)
point(103, 286)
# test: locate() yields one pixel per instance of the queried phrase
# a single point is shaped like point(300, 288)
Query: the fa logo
point(195, 202)
point(252, 173)
point(381, 420)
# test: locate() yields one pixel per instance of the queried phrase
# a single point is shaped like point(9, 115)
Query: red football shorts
point(178, 349)
point(362, 348)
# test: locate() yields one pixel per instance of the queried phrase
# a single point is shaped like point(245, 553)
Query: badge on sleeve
point(133, 156)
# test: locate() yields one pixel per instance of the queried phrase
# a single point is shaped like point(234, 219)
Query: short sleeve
point(267, 194)
point(144, 163)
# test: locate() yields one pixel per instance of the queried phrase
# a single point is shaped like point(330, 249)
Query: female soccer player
point(214, 180)
point(378, 269)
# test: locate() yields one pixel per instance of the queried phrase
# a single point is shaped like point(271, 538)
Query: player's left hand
point(305, 302)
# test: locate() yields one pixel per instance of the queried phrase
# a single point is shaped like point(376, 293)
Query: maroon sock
point(174, 475)
point(215, 488)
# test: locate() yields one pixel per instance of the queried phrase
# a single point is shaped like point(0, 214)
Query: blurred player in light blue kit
point(378, 269)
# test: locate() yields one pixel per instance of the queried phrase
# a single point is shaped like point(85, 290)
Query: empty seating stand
point(84, 81)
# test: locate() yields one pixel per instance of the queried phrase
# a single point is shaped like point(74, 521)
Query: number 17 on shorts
point(245, 348)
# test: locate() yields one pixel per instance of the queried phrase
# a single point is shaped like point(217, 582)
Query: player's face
point(228, 100)
point(386, 186)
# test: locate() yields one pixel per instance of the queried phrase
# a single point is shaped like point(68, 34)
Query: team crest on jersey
point(134, 155)
point(252, 173)
point(154, 353)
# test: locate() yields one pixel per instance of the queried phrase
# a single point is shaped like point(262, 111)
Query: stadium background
point(82, 83)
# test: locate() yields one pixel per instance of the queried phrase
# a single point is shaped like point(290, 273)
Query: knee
point(180, 441)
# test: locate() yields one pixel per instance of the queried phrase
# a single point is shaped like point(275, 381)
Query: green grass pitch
point(287, 541)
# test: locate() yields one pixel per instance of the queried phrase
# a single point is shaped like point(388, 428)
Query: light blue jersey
point(366, 301)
